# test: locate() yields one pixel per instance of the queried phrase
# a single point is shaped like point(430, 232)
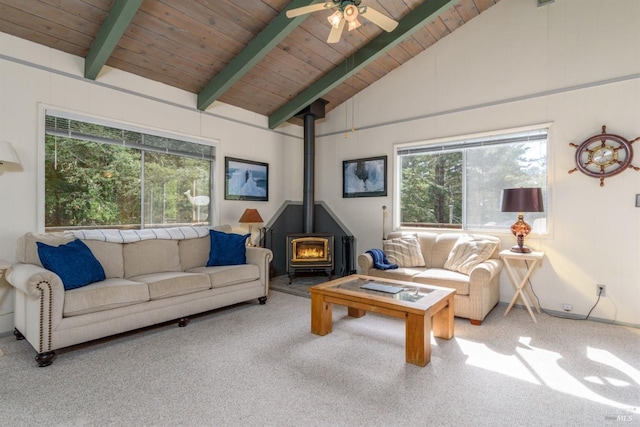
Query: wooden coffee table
point(424, 307)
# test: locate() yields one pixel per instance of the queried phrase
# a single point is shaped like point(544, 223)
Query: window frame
point(45, 110)
point(456, 142)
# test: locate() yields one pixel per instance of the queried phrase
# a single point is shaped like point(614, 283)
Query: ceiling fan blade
point(336, 33)
point(308, 9)
point(381, 20)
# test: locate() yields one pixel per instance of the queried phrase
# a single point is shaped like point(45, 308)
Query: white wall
point(32, 75)
point(574, 63)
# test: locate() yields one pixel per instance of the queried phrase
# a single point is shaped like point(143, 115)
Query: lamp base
point(520, 229)
point(520, 249)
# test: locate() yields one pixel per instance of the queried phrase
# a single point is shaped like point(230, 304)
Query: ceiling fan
point(347, 13)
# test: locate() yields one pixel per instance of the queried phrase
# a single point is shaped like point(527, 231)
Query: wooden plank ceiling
point(282, 65)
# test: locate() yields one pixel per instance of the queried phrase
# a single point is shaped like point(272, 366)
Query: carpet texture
point(254, 364)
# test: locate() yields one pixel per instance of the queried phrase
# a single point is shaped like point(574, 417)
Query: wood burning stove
point(309, 252)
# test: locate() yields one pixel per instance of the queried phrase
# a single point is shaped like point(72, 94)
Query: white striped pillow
point(404, 251)
point(468, 252)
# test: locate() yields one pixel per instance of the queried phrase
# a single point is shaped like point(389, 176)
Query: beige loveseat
point(159, 278)
point(477, 288)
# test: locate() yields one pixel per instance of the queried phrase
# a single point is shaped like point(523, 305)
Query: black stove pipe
point(309, 115)
point(308, 194)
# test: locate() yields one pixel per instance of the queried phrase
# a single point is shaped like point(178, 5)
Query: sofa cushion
point(151, 256)
point(73, 262)
point(171, 284)
point(110, 256)
point(227, 248)
point(105, 295)
point(468, 252)
point(228, 275)
point(404, 251)
point(27, 249)
point(444, 278)
point(225, 228)
point(194, 252)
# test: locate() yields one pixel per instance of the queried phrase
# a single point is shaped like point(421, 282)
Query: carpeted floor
point(254, 364)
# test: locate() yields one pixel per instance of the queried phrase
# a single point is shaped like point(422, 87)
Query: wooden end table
point(424, 308)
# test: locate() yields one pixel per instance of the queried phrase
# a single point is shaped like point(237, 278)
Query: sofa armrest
point(365, 261)
point(260, 257)
point(485, 272)
point(40, 296)
point(28, 278)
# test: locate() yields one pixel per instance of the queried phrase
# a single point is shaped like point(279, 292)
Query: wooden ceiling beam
point(118, 19)
point(279, 28)
point(413, 21)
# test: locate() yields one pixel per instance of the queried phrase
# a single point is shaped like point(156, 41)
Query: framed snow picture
point(245, 180)
point(364, 177)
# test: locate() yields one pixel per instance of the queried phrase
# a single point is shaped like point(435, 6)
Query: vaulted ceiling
point(245, 53)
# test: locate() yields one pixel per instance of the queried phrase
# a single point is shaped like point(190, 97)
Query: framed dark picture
point(364, 177)
point(246, 180)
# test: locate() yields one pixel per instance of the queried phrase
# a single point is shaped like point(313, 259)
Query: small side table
point(520, 280)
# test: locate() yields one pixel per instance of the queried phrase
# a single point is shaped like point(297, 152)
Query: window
point(101, 175)
point(458, 183)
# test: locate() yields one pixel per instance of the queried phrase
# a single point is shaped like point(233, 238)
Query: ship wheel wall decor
point(604, 155)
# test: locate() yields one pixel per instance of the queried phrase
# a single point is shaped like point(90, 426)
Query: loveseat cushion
point(401, 273)
point(444, 278)
point(73, 262)
point(441, 248)
point(151, 256)
point(468, 252)
point(171, 284)
point(105, 295)
point(227, 275)
point(404, 251)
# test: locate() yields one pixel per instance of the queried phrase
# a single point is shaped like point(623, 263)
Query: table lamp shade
point(250, 216)
point(521, 200)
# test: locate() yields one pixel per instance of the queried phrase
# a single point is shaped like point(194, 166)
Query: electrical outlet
point(567, 307)
point(601, 290)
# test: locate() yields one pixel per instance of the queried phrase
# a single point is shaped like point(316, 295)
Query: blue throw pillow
point(73, 262)
point(227, 248)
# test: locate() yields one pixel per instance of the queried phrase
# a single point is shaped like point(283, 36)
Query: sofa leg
point(45, 359)
point(18, 334)
point(183, 321)
point(262, 300)
point(475, 322)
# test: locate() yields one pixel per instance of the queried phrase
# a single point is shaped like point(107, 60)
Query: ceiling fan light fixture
point(346, 11)
point(335, 19)
point(351, 13)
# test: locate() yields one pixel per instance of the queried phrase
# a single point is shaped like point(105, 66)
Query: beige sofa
point(153, 280)
point(476, 292)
